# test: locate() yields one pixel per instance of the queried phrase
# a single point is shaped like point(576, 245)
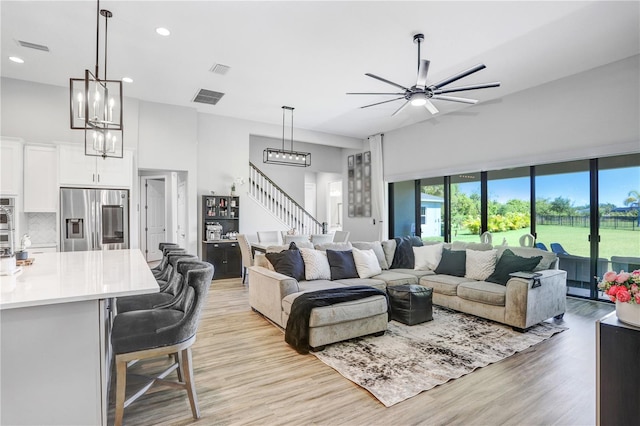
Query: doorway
point(154, 217)
point(334, 206)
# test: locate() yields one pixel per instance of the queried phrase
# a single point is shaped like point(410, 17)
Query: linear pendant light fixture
point(286, 157)
point(96, 104)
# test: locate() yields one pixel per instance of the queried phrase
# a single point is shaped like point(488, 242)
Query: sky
point(614, 185)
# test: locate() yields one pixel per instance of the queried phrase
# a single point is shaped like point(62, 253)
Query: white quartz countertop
point(65, 277)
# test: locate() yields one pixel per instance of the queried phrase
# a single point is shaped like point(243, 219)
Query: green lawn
point(613, 242)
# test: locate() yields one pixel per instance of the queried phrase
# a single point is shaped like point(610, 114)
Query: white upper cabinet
point(11, 168)
point(79, 169)
point(40, 178)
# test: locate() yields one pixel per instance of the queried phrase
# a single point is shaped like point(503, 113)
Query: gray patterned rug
point(408, 360)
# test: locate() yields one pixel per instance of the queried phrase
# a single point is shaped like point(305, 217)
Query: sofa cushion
point(389, 248)
point(376, 246)
point(453, 262)
point(366, 263)
point(340, 312)
point(316, 264)
point(403, 256)
point(315, 285)
point(288, 262)
point(443, 284)
point(427, 257)
point(334, 246)
point(480, 264)
point(413, 272)
point(342, 264)
point(510, 262)
point(483, 292)
point(395, 278)
point(371, 282)
point(548, 257)
point(463, 245)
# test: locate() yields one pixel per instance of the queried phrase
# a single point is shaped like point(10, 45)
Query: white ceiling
point(308, 54)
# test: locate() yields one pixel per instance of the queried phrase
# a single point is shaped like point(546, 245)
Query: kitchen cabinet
point(617, 377)
point(83, 170)
point(221, 209)
point(225, 257)
point(11, 167)
point(40, 178)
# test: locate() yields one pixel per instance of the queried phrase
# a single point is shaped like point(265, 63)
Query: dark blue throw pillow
point(342, 264)
point(288, 262)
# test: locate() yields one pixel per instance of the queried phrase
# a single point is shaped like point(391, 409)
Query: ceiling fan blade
point(458, 76)
point(400, 94)
point(470, 87)
point(404, 105)
point(431, 107)
point(386, 81)
point(383, 102)
point(421, 82)
point(454, 99)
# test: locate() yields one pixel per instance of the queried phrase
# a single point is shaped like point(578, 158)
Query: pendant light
point(286, 157)
point(96, 104)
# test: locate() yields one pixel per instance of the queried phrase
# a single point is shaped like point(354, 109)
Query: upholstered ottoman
point(411, 303)
point(342, 321)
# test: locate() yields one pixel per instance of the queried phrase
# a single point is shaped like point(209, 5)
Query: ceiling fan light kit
point(286, 157)
point(421, 94)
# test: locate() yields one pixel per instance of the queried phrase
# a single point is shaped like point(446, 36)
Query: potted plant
point(233, 189)
point(624, 289)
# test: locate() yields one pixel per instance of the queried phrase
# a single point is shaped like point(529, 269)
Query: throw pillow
point(342, 264)
point(366, 263)
point(509, 263)
point(288, 262)
point(376, 246)
point(453, 262)
point(403, 257)
point(480, 264)
point(427, 257)
point(316, 264)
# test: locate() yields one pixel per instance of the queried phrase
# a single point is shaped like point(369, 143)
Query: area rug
point(410, 359)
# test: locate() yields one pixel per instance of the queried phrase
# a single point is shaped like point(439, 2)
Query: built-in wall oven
point(7, 221)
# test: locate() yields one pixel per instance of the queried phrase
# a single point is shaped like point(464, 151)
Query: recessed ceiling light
point(16, 59)
point(163, 31)
point(127, 79)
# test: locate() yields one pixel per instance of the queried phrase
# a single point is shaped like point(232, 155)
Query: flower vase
point(628, 313)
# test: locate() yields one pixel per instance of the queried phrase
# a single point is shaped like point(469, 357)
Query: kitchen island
point(55, 323)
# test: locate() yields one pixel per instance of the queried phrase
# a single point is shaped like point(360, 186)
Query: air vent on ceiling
point(220, 69)
point(33, 45)
point(210, 97)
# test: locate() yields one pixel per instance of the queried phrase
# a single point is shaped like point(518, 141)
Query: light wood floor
point(246, 374)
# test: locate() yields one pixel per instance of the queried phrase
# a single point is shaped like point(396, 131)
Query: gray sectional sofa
point(520, 303)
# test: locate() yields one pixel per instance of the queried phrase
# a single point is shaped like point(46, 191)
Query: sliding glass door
point(619, 214)
point(509, 205)
point(563, 219)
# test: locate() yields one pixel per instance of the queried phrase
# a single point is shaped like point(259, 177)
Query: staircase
point(264, 191)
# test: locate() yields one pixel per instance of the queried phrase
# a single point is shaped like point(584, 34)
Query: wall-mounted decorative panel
point(359, 184)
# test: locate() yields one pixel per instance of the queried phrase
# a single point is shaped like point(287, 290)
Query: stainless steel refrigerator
point(94, 219)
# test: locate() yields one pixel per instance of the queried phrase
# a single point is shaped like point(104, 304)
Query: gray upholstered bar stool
point(162, 264)
point(166, 271)
point(168, 296)
point(152, 333)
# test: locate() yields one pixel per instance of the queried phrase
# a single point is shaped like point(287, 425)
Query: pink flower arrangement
point(623, 287)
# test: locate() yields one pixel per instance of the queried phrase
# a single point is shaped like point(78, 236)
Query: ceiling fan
point(421, 95)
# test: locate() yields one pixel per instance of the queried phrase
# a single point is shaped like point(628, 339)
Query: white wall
point(224, 146)
point(591, 114)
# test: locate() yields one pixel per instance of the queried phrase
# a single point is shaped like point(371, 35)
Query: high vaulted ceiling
point(308, 54)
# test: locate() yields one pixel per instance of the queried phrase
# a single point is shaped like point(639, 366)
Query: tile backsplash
point(41, 227)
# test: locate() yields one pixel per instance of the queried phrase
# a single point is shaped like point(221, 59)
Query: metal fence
point(609, 222)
